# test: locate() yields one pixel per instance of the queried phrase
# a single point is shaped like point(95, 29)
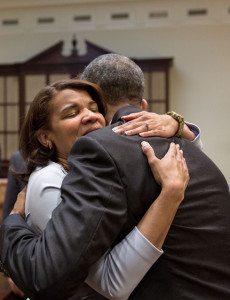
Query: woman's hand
point(171, 171)
point(14, 288)
point(148, 124)
point(19, 205)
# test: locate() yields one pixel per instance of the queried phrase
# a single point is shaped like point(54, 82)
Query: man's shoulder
point(99, 135)
point(100, 132)
point(93, 145)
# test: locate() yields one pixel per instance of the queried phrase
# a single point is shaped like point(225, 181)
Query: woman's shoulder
point(52, 171)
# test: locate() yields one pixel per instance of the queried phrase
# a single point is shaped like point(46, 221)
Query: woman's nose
point(89, 116)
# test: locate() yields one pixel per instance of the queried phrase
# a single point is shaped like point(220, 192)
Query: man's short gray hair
point(119, 77)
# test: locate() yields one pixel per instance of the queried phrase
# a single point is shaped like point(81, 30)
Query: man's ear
point(144, 104)
point(44, 139)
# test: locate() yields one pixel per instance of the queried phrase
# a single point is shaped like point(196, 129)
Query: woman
point(58, 116)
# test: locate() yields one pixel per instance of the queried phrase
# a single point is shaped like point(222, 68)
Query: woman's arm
point(43, 195)
point(158, 125)
point(115, 274)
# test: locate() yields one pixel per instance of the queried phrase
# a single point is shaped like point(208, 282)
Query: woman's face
point(73, 114)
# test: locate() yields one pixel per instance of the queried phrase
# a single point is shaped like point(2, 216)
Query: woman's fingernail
point(128, 132)
point(115, 129)
point(144, 144)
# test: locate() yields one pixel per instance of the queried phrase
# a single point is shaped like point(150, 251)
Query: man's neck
point(112, 109)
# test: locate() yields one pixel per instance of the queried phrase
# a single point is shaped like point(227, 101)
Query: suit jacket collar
point(126, 110)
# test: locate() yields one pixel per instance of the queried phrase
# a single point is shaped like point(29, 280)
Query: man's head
point(121, 80)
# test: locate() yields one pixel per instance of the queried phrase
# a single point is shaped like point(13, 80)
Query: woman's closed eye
point(71, 113)
point(94, 108)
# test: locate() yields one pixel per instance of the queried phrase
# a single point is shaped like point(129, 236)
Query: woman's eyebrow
point(92, 102)
point(70, 105)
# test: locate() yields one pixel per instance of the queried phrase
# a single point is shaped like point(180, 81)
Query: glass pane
point(12, 89)
point(2, 117)
point(56, 77)
point(159, 108)
point(1, 89)
point(12, 144)
point(12, 118)
point(33, 84)
point(158, 85)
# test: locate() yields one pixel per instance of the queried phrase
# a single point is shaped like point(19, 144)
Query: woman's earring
point(49, 144)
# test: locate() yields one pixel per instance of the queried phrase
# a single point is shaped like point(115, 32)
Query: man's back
point(196, 263)
point(196, 260)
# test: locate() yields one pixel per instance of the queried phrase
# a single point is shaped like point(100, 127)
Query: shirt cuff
point(147, 249)
point(196, 130)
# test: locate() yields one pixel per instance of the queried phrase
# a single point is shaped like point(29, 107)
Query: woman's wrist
point(17, 212)
point(188, 134)
point(173, 192)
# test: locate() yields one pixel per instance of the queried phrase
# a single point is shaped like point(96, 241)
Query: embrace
point(137, 210)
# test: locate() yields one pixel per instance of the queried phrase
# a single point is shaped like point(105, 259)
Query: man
point(111, 166)
point(192, 266)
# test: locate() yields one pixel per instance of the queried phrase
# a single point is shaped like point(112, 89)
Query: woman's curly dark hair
point(38, 117)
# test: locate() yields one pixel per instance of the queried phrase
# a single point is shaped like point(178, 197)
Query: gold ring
point(147, 126)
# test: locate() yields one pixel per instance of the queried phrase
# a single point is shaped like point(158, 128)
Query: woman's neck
point(64, 163)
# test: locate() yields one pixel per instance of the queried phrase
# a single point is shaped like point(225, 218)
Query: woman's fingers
point(172, 151)
point(19, 205)
point(170, 171)
point(137, 123)
point(129, 128)
point(132, 116)
point(148, 151)
point(14, 288)
point(143, 129)
point(153, 161)
point(147, 124)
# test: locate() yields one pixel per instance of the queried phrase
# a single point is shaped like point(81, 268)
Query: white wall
point(200, 46)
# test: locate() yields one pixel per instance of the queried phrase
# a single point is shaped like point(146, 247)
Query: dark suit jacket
point(14, 185)
point(107, 191)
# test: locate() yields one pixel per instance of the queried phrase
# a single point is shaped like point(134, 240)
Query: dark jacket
point(107, 191)
point(14, 185)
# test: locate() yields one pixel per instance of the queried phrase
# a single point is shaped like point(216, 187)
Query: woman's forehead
point(70, 95)
point(70, 98)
